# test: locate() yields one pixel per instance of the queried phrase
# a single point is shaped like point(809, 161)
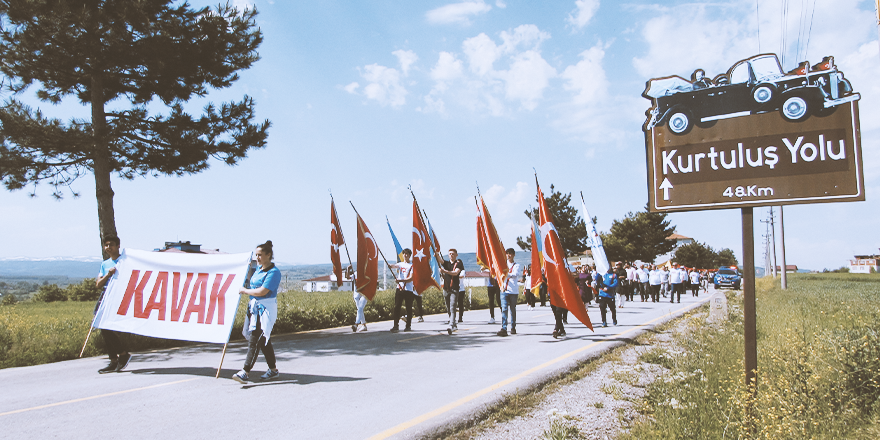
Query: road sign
point(757, 160)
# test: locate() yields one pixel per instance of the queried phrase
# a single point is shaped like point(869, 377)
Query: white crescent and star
point(545, 231)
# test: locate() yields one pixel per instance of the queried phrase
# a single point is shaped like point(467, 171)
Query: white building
point(475, 279)
point(325, 283)
point(864, 264)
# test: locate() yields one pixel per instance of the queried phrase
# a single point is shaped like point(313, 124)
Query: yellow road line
point(449, 407)
point(94, 397)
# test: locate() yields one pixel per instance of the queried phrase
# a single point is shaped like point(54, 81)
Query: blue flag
point(396, 243)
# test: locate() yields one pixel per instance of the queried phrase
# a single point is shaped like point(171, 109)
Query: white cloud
point(528, 76)
point(505, 204)
point(481, 52)
point(587, 78)
point(500, 4)
point(406, 58)
point(457, 13)
point(526, 35)
point(584, 11)
point(594, 115)
point(352, 88)
point(384, 85)
point(242, 4)
point(693, 36)
point(448, 68)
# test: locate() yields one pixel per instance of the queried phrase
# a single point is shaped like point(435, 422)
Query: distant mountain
point(87, 267)
point(74, 267)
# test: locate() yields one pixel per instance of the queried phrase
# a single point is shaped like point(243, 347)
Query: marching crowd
point(610, 290)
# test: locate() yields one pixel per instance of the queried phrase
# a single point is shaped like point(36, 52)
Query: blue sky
point(367, 98)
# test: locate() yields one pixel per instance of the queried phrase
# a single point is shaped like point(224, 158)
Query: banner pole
point(87, 341)
point(252, 267)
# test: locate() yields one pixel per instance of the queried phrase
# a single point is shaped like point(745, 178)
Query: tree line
point(84, 291)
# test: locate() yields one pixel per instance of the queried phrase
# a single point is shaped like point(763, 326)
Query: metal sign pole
point(749, 313)
point(782, 236)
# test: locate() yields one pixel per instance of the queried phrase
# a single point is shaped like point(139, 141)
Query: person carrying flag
point(404, 293)
point(360, 301)
point(451, 270)
point(509, 294)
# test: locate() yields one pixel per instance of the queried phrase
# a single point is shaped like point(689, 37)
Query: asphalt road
point(334, 384)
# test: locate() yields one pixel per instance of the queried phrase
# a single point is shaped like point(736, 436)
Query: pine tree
point(640, 236)
point(569, 224)
point(135, 63)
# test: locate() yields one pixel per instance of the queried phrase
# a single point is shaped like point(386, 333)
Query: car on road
point(727, 277)
point(754, 85)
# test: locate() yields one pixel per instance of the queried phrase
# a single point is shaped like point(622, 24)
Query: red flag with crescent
point(367, 276)
point(336, 241)
point(421, 260)
point(497, 256)
point(482, 247)
point(560, 284)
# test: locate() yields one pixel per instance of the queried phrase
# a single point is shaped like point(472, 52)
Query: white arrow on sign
point(665, 186)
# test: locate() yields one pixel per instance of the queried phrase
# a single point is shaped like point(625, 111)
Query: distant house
point(475, 279)
point(680, 239)
point(789, 268)
point(325, 283)
point(185, 247)
point(864, 264)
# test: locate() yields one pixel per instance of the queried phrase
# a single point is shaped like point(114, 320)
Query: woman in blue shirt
point(261, 312)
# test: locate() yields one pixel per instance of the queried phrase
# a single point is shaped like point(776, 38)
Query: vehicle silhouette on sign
point(754, 85)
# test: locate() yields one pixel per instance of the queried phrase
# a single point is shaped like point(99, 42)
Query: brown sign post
point(777, 163)
point(753, 136)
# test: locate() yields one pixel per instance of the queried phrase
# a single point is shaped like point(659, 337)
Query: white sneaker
point(491, 320)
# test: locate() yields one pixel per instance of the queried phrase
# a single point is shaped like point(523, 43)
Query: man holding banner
point(116, 350)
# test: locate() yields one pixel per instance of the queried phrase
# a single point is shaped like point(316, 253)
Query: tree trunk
point(101, 163)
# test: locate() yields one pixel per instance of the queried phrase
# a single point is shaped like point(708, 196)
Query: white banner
point(191, 297)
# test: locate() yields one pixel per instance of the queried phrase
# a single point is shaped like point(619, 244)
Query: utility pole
point(773, 234)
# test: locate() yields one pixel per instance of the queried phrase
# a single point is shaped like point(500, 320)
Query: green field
point(818, 367)
point(33, 333)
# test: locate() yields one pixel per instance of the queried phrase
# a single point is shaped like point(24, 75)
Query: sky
point(370, 99)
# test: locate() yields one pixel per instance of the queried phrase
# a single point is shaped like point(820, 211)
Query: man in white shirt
point(677, 277)
point(644, 289)
point(664, 278)
point(405, 292)
point(510, 294)
point(695, 282)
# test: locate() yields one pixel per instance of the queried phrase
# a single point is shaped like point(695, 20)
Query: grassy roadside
point(33, 333)
point(525, 401)
point(818, 359)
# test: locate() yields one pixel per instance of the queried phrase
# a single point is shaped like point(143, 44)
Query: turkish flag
point(336, 240)
point(482, 246)
point(367, 275)
point(496, 255)
point(560, 284)
point(421, 260)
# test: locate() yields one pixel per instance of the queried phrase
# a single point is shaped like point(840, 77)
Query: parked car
point(754, 85)
point(727, 277)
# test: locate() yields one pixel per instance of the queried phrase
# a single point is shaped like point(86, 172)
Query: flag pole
point(396, 281)
point(345, 243)
point(252, 267)
point(87, 341)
